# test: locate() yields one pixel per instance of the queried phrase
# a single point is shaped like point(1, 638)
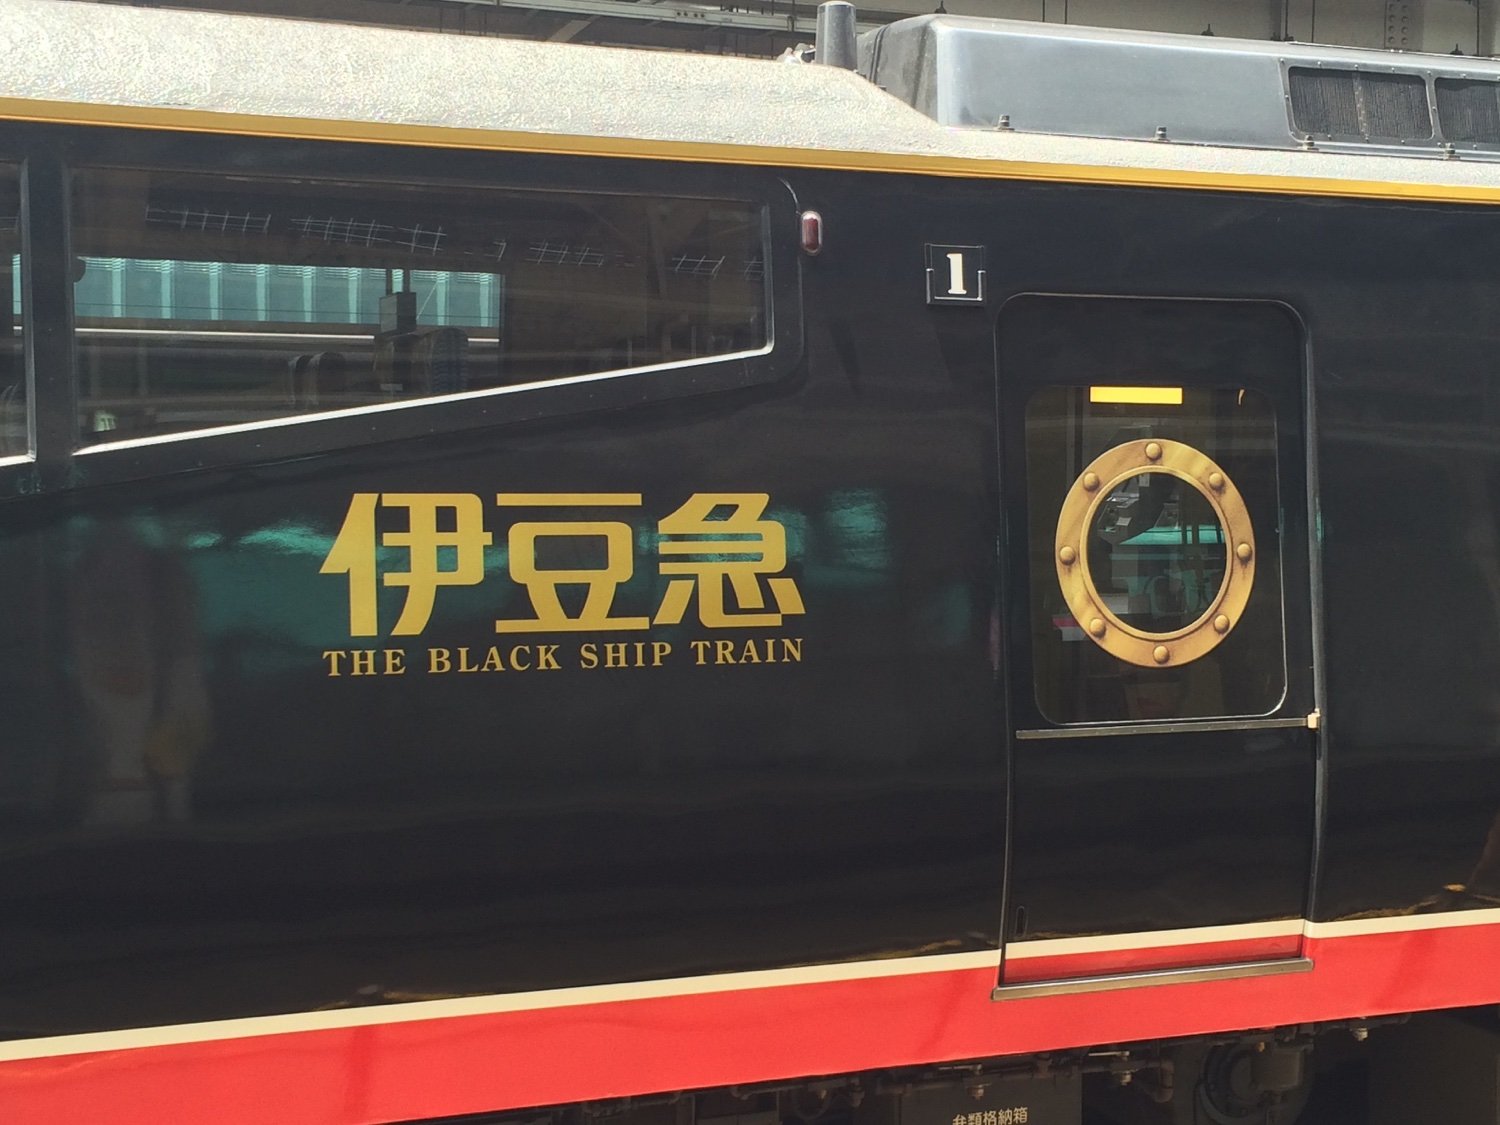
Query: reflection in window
point(14, 431)
point(207, 301)
point(1156, 553)
point(1157, 556)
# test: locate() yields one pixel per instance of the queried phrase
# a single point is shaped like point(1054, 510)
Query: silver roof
point(66, 60)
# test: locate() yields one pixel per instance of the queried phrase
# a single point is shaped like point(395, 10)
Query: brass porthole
point(1077, 522)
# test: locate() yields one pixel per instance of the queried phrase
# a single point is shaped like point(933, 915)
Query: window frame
point(12, 464)
point(59, 460)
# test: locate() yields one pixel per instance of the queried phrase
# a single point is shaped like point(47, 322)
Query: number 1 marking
point(956, 276)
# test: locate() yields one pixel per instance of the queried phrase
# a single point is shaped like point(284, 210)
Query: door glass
point(1155, 554)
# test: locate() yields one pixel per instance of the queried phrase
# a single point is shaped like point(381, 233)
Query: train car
point(570, 585)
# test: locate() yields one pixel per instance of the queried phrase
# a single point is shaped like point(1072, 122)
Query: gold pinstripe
point(436, 136)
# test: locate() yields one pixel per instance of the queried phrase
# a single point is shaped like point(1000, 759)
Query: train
point(949, 579)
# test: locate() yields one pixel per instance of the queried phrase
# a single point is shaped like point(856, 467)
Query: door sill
point(1192, 975)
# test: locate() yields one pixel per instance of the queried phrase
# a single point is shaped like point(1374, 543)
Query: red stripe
point(1068, 966)
point(464, 1065)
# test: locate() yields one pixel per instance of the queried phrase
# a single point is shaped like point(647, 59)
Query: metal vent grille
point(1469, 110)
point(1325, 102)
point(1356, 103)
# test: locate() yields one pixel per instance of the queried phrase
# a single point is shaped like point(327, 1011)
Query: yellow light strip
point(1138, 396)
point(556, 144)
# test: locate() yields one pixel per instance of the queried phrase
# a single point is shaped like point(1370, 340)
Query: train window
point(1155, 569)
point(15, 440)
point(205, 301)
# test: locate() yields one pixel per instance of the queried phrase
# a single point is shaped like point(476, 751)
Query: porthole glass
point(1156, 553)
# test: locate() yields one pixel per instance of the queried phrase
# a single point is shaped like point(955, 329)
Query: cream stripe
point(1109, 943)
point(205, 121)
point(493, 1005)
point(1403, 923)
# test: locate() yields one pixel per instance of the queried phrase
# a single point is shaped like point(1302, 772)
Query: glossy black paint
point(341, 839)
point(352, 840)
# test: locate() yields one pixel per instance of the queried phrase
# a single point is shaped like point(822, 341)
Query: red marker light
point(812, 232)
